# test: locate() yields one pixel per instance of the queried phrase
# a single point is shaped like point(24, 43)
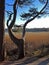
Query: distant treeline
point(37, 30)
point(32, 30)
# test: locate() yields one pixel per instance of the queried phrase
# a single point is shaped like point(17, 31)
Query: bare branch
point(8, 12)
point(17, 26)
point(14, 16)
point(13, 38)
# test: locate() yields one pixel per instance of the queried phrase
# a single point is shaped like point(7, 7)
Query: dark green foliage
point(24, 2)
point(46, 10)
point(34, 11)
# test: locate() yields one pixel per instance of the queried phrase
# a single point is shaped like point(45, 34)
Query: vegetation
point(33, 46)
point(33, 11)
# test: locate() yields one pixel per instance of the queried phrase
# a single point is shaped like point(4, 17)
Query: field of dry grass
point(37, 38)
point(33, 40)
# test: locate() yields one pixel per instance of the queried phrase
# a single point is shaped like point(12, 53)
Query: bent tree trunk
point(18, 42)
point(1, 28)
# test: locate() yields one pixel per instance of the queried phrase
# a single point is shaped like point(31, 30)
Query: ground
point(32, 42)
point(28, 61)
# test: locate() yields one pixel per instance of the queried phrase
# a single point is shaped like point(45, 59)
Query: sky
point(42, 22)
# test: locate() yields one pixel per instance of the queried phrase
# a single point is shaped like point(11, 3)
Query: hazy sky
point(37, 23)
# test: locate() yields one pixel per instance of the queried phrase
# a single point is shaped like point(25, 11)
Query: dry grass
point(33, 40)
point(37, 39)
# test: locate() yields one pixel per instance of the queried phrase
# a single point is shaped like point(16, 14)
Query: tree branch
point(14, 16)
point(8, 4)
point(33, 18)
point(9, 12)
point(13, 38)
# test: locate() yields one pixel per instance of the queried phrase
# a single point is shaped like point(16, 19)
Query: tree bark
point(2, 7)
point(18, 42)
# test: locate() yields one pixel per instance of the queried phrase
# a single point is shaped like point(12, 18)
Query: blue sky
point(37, 23)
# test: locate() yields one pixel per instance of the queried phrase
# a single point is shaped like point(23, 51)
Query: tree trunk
point(19, 43)
point(21, 49)
point(2, 2)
